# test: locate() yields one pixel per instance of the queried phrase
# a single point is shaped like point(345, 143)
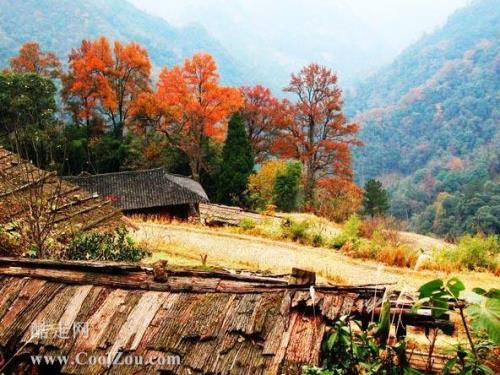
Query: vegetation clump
point(115, 246)
point(474, 253)
point(286, 186)
point(351, 349)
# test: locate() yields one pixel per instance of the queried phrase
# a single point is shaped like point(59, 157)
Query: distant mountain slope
point(60, 25)
point(419, 62)
point(431, 124)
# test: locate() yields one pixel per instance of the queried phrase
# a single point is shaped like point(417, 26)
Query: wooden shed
point(151, 192)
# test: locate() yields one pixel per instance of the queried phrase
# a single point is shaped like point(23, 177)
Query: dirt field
point(186, 246)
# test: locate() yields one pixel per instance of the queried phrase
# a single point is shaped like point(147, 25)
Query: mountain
point(59, 25)
point(431, 125)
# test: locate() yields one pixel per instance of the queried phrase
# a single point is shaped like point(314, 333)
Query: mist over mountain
point(61, 25)
point(279, 37)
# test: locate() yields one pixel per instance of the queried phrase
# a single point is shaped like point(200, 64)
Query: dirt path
point(184, 245)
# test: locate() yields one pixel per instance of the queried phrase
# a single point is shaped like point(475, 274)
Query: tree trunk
point(309, 183)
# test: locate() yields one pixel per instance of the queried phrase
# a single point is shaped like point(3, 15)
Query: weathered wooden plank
point(241, 320)
point(9, 293)
point(276, 364)
point(14, 331)
point(47, 321)
point(22, 299)
point(305, 342)
point(98, 325)
point(132, 331)
point(207, 316)
point(103, 267)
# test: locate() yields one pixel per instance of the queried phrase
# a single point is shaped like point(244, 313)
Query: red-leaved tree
point(314, 130)
point(195, 107)
point(107, 79)
point(31, 59)
point(259, 113)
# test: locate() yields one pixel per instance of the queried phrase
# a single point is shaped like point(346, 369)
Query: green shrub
point(352, 226)
point(479, 251)
point(350, 233)
point(296, 230)
point(317, 240)
point(116, 246)
point(247, 224)
point(338, 241)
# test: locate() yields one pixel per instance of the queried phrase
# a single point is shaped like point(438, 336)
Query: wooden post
point(160, 273)
point(303, 277)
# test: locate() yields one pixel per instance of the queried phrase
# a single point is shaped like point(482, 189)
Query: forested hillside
point(430, 125)
point(61, 25)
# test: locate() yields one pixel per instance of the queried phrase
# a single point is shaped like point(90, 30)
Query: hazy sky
point(400, 21)
point(277, 37)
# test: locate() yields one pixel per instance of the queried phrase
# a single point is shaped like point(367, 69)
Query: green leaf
point(384, 323)
point(429, 288)
point(439, 306)
point(332, 340)
point(493, 293)
point(479, 291)
point(449, 366)
point(486, 316)
point(455, 286)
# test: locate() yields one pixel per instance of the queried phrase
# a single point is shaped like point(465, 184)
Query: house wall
point(180, 212)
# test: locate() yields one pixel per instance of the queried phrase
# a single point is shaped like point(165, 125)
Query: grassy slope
point(185, 244)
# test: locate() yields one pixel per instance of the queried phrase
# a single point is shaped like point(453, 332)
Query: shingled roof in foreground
point(216, 322)
point(133, 190)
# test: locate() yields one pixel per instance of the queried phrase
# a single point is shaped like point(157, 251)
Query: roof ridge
point(115, 173)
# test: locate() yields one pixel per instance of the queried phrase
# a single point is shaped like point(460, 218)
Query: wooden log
point(100, 267)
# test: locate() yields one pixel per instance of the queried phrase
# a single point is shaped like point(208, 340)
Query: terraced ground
point(189, 245)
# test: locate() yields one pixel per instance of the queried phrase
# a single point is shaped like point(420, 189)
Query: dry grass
point(185, 244)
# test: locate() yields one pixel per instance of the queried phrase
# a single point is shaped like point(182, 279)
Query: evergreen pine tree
point(237, 164)
point(375, 199)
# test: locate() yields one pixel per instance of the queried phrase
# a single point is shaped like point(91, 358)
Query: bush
point(382, 245)
point(261, 184)
point(116, 246)
point(479, 252)
point(352, 227)
point(296, 230)
point(317, 240)
point(10, 240)
point(247, 224)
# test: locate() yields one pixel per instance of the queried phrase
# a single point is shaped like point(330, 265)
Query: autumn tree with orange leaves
point(315, 130)
point(259, 114)
point(31, 59)
point(195, 107)
point(107, 80)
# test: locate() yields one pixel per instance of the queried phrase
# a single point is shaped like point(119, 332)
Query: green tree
point(27, 108)
point(237, 164)
point(286, 186)
point(375, 198)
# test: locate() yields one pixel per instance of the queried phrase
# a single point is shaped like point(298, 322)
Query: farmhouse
point(152, 192)
point(198, 322)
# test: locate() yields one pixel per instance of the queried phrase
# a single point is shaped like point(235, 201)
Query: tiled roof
point(143, 189)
